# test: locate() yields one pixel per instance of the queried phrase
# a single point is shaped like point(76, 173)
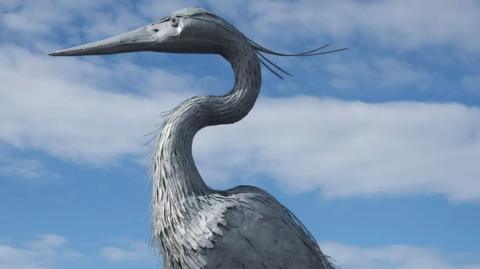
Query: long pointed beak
point(137, 40)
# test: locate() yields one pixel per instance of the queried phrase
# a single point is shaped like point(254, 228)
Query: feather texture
point(197, 227)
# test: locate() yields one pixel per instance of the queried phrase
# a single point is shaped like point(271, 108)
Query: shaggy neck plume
point(175, 176)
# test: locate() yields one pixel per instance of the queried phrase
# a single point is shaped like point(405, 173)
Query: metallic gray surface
point(194, 225)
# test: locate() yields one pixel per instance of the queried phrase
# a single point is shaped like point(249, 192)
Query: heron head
point(190, 30)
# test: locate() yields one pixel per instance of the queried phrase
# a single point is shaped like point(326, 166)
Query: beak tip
point(55, 53)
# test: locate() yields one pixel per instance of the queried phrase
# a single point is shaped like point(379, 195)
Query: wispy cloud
point(397, 257)
point(49, 251)
point(21, 168)
point(44, 252)
point(377, 74)
point(403, 25)
point(132, 252)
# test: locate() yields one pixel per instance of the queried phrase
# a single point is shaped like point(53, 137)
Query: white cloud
point(42, 253)
point(401, 24)
point(33, 17)
point(47, 241)
point(395, 257)
point(133, 252)
point(47, 105)
point(341, 149)
point(348, 149)
point(377, 73)
point(39, 24)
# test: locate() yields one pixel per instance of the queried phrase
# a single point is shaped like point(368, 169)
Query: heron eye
point(155, 30)
point(174, 21)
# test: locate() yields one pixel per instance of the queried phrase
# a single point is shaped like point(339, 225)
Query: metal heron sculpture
point(194, 225)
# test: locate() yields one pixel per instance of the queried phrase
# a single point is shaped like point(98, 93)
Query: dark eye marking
point(174, 21)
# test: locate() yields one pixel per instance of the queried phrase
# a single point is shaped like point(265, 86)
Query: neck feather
point(175, 175)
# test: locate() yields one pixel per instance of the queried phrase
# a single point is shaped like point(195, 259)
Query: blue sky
point(375, 149)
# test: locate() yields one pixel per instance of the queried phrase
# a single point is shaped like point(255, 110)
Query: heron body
point(196, 226)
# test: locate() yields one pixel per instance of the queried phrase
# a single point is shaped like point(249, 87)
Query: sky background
point(375, 149)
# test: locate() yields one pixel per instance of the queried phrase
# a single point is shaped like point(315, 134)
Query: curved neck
point(174, 172)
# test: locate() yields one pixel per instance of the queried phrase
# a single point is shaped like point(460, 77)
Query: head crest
point(277, 70)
